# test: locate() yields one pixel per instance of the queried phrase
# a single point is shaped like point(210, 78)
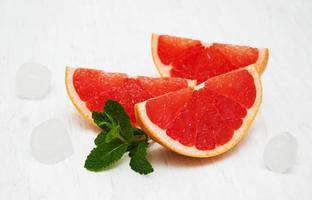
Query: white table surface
point(115, 36)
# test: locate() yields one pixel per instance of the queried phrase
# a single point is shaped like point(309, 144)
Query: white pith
point(161, 136)
point(206, 44)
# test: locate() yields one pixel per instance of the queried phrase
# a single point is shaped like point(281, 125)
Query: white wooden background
point(115, 36)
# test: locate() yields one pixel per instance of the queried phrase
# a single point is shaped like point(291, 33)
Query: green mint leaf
point(117, 112)
point(113, 134)
point(131, 147)
point(101, 120)
point(139, 162)
point(100, 138)
point(105, 155)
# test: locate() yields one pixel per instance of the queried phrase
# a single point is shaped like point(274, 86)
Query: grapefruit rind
point(81, 105)
point(164, 70)
point(160, 136)
point(262, 61)
point(74, 97)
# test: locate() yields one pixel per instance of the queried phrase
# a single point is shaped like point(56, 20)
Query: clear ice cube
point(32, 81)
point(280, 152)
point(50, 142)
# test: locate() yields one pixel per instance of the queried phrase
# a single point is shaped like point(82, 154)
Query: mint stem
point(138, 138)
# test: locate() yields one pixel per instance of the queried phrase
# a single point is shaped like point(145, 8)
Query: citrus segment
point(193, 59)
point(90, 82)
point(89, 89)
point(127, 94)
point(206, 120)
point(171, 104)
point(238, 86)
point(171, 47)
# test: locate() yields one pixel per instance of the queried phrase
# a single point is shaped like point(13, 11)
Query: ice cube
point(50, 142)
point(32, 81)
point(280, 152)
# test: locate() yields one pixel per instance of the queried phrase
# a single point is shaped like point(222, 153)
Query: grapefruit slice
point(207, 120)
point(196, 60)
point(89, 89)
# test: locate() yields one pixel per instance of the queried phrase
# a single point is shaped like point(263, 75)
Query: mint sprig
point(117, 137)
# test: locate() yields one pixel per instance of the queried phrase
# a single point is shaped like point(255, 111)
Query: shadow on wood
point(159, 155)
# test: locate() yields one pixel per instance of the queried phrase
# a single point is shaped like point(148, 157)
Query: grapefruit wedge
point(89, 89)
point(207, 120)
point(196, 60)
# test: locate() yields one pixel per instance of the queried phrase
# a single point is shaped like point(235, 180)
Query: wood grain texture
point(115, 36)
